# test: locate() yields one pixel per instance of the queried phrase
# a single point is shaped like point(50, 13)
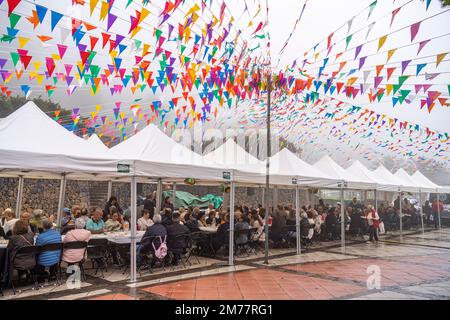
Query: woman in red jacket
point(373, 220)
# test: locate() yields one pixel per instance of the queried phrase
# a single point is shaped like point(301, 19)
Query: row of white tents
point(32, 145)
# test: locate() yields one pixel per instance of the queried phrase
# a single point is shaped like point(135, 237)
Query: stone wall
point(43, 194)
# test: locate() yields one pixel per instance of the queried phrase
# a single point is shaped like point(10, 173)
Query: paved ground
point(415, 266)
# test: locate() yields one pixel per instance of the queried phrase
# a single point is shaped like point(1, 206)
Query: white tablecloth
point(117, 237)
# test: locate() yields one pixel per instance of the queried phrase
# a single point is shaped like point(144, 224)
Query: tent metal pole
point(375, 195)
point(275, 198)
point(297, 221)
point(231, 239)
point(401, 214)
point(133, 226)
point(421, 210)
point(19, 197)
point(174, 194)
point(439, 210)
point(158, 196)
point(62, 193)
point(262, 195)
point(109, 189)
point(266, 225)
point(342, 220)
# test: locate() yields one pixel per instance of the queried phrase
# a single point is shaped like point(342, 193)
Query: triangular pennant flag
point(13, 19)
point(111, 19)
point(405, 65)
point(92, 5)
point(62, 50)
point(390, 54)
point(371, 7)
point(55, 17)
point(23, 41)
point(381, 42)
point(419, 67)
point(358, 50)
point(369, 29)
point(422, 44)
point(379, 68)
point(394, 13)
point(414, 30)
point(439, 58)
point(41, 11)
point(12, 4)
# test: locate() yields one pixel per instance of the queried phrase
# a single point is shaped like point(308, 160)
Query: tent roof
point(359, 170)
point(332, 169)
point(288, 164)
point(232, 156)
point(407, 180)
point(385, 174)
point(30, 141)
point(423, 181)
point(157, 155)
point(95, 140)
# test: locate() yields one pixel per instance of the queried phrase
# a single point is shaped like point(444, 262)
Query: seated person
point(222, 236)
point(10, 221)
point(96, 223)
point(84, 217)
point(77, 234)
point(48, 259)
point(278, 227)
point(21, 237)
point(242, 224)
point(151, 236)
point(332, 225)
point(66, 217)
point(201, 218)
point(144, 221)
point(175, 243)
point(192, 222)
point(36, 220)
point(113, 224)
point(166, 217)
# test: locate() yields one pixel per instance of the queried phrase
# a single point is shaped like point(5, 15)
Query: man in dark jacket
point(332, 225)
point(166, 218)
point(278, 226)
point(150, 203)
point(152, 234)
point(176, 242)
point(222, 236)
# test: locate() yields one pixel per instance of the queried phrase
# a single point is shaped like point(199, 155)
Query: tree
point(445, 3)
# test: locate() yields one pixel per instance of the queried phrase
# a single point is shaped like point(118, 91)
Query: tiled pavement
point(414, 267)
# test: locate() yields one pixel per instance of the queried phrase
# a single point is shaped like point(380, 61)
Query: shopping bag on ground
point(381, 228)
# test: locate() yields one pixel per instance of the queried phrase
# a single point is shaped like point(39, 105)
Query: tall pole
point(158, 196)
point(62, 193)
point(174, 194)
point(439, 210)
point(109, 190)
point(342, 219)
point(19, 197)
point(231, 239)
point(421, 210)
point(266, 245)
point(401, 214)
point(133, 231)
point(297, 221)
point(375, 195)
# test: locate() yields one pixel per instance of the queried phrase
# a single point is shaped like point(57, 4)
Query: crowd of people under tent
point(173, 229)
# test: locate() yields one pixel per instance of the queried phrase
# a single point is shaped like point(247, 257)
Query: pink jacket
point(75, 255)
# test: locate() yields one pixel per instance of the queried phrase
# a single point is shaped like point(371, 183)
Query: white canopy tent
point(329, 167)
point(412, 185)
point(421, 180)
point(360, 171)
point(96, 141)
point(158, 156)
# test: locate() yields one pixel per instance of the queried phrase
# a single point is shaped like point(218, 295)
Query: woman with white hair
point(77, 234)
point(10, 220)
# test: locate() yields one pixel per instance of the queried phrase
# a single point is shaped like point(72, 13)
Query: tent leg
point(158, 196)
point(19, 197)
point(231, 239)
point(401, 215)
point(174, 194)
point(342, 221)
point(133, 231)
point(62, 193)
point(421, 210)
point(275, 198)
point(375, 195)
point(297, 222)
point(439, 210)
point(109, 189)
point(262, 195)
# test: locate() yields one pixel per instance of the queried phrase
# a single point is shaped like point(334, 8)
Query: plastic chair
point(97, 253)
point(80, 263)
point(28, 250)
point(53, 247)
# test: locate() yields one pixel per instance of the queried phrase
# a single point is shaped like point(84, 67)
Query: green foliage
point(10, 104)
point(445, 3)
